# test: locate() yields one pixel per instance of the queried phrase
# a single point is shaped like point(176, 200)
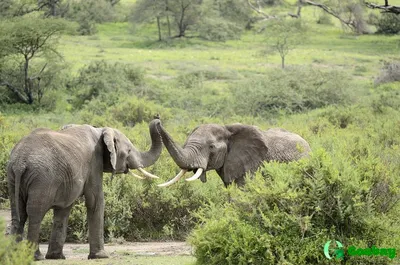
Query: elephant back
point(285, 146)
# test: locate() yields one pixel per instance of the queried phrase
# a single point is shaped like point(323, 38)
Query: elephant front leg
point(58, 233)
point(95, 216)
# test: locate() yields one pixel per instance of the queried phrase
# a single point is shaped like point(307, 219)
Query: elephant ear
point(247, 149)
point(109, 140)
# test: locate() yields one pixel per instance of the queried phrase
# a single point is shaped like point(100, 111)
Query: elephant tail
point(17, 183)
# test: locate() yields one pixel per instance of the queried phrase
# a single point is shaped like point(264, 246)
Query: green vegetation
point(339, 90)
point(14, 253)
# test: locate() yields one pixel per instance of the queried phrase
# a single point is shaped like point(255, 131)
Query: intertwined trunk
point(151, 156)
point(178, 154)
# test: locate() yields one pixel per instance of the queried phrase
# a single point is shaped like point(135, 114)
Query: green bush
point(12, 253)
point(218, 29)
point(290, 91)
point(107, 80)
point(388, 23)
point(89, 12)
point(390, 72)
point(287, 213)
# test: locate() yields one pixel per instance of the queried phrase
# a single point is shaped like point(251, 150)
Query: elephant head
point(122, 155)
point(231, 150)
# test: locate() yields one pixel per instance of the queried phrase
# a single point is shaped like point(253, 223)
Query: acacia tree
point(147, 10)
point(283, 35)
point(21, 40)
point(186, 13)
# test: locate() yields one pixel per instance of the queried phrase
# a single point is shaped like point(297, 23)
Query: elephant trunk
point(178, 154)
point(150, 157)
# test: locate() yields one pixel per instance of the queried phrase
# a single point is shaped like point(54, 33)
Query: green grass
point(327, 47)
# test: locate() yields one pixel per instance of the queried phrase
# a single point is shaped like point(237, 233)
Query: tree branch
point(385, 8)
point(331, 12)
point(259, 11)
point(15, 90)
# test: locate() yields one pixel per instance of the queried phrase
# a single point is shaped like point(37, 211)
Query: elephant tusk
point(172, 181)
point(134, 175)
point(196, 176)
point(147, 174)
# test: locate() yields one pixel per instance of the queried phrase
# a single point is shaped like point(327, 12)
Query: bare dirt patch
point(81, 251)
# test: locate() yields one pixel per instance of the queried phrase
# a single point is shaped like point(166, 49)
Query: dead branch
point(385, 8)
point(259, 11)
point(329, 10)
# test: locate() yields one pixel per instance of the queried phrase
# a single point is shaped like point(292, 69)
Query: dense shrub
point(290, 91)
point(116, 111)
point(103, 79)
point(388, 23)
point(287, 213)
point(390, 72)
point(386, 96)
point(88, 13)
point(204, 100)
point(12, 253)
point(219, 30)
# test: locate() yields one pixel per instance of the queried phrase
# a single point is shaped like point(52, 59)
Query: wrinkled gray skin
point(234, 150)
point(51, 169)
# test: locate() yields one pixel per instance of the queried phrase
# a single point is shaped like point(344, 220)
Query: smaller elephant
point(50, 169)
point(232, 150)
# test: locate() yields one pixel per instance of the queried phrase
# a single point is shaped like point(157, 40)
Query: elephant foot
point(98, 255)
point(55, 256)
point(38, 255)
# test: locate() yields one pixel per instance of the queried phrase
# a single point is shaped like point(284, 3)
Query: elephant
point(50, 169)
point(231, 150)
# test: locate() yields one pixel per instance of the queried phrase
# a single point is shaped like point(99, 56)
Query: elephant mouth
point(198, 173)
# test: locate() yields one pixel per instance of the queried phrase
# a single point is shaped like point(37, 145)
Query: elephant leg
point(58, 233)
point(22, 220)
point(33, 231)
point(95, 214)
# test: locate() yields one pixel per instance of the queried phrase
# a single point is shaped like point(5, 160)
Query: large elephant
point(51, 169)
point(232, 150)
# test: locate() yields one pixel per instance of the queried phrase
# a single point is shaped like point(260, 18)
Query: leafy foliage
point(219, 30)
point(22, 40)
point(287, 212)
point(14, 253)
point(284, 35)
point(388, 23)
point(101, 78)
point(89, 12)
point(390, 72)
point(293, 90)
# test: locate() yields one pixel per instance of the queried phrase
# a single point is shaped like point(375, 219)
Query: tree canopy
point(22, 40)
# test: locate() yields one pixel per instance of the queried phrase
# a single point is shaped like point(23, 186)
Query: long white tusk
point(134, 175)
point(147, 174)
point(172, 181)
point(195, 176)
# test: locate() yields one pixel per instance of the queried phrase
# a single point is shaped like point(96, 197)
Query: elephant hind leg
point(58, 233)
point(17, 227)
point(35, 216)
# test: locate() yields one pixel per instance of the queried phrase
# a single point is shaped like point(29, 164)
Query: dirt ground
point(81, 251)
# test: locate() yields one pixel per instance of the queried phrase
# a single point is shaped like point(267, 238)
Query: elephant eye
point(212, 146)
